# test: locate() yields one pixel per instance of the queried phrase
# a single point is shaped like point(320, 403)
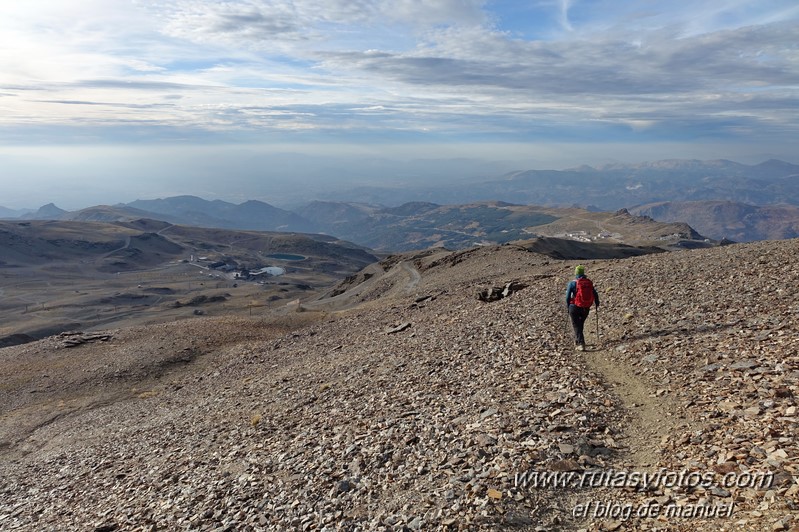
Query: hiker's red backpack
point(584, 295)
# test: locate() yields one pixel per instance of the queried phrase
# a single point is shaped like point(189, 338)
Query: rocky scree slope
point(416, 410)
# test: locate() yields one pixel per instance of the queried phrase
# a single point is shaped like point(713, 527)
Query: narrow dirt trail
point(650, 421)
point(413, 275)
point(126, 246)
point(652, 418)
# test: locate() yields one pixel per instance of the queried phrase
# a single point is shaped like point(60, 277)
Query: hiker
point(580, 295)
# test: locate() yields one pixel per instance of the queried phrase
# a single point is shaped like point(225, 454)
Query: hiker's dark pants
point(578, 316)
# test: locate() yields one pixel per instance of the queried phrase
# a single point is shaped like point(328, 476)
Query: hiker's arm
point(596, 298)
point(569, 292)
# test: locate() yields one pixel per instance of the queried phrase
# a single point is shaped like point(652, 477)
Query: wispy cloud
point(453, 68)
point(565, 5)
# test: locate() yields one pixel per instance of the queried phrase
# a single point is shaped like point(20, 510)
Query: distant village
point(585, 236)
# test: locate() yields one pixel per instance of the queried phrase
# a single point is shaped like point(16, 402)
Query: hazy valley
point(719, 199)
point(63, 276)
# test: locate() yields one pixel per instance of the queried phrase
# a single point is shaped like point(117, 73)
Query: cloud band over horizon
point(406, 72)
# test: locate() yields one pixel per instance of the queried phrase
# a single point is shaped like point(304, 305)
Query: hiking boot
point(580, 347)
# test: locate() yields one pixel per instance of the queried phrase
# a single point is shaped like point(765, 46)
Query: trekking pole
point(597, 327)
point(569, 330)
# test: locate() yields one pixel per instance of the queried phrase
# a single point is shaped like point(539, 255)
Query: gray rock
point(399, 328)
point(488, 412)
point(719, 492)
point(744, 364)
point(566, 448)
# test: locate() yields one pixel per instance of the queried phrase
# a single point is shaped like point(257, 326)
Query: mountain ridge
point(741, 222)
point(609, 187)
point(458, 216)
point(249, 215)
point(415, 225)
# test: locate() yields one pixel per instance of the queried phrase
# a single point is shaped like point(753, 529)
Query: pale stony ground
point(416, 406)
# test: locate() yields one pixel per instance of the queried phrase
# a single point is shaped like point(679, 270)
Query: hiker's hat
point(579, 270)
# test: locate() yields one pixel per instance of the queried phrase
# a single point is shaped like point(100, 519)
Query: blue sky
point(106, 101)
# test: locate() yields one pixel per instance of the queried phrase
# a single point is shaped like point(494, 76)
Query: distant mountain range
point(186, 210)
point(253, 215)
point(610, 187)
point(5, 212)
point(720, 199)
point(415, 225)
point(736, 221)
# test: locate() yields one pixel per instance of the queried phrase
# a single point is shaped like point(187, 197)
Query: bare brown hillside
point(59, 276)
point(422, 408)
point(736, 221)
